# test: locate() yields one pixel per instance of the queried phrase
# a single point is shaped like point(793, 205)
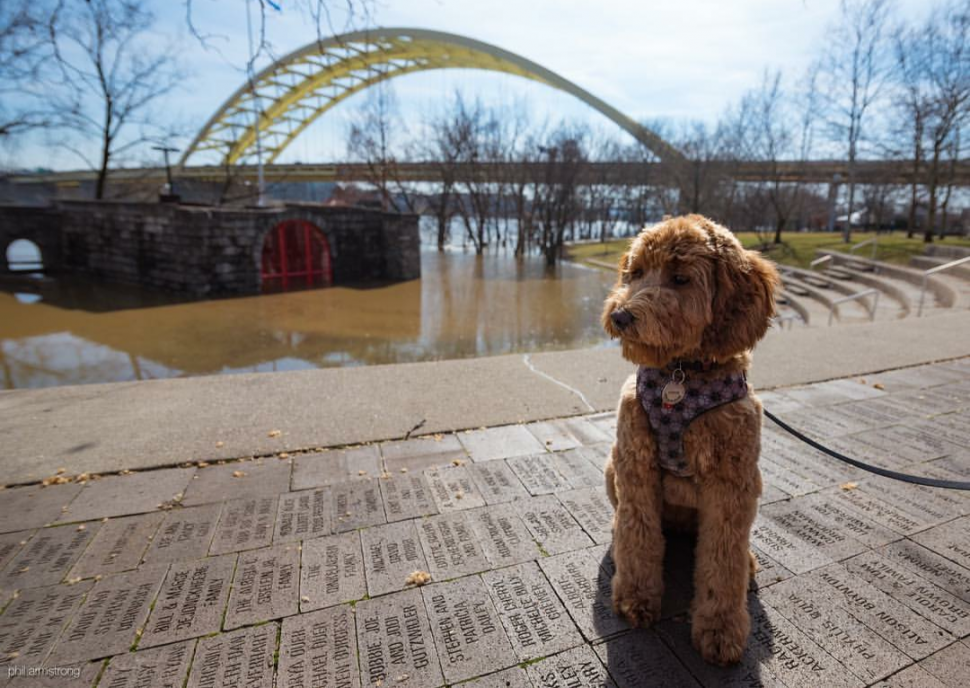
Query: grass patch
point(797, 248)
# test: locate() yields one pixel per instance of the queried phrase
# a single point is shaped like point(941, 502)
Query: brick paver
point(298, 572)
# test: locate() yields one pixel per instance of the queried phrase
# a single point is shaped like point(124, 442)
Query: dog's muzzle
point(621, 319)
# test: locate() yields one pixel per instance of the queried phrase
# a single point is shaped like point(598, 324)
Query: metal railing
point(933, 271)
point(875, 246)
point(819, 261)
point(853, 297)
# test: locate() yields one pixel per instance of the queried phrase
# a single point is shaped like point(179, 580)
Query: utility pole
point(261, 181)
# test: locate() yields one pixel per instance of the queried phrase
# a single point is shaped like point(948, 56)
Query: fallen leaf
point(82, 527)
point(459, 494)
point(24, 569)
point(361, 472)
point(238, 474)
point(60, 470)
point(879, 385)
point(417, 578)
point(456, 462)
point(202, 464)
point(274, 433)
point(304, 599)
point(404, 470)
point(849, 486)
point(220, 444)
point(438, 437)
point(283, 455)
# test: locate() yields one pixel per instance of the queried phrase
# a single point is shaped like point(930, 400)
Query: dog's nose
point(621, 319)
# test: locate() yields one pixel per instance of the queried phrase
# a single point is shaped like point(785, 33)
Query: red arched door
point(296, 255)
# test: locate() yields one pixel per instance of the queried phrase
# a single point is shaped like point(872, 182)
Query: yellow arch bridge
point(289, 95)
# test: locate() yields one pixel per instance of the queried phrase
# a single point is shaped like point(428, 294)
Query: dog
point(689, 305)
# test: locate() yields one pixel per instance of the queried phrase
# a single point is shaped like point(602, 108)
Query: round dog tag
point(673, 392)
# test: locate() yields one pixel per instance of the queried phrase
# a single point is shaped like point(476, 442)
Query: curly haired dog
point(689, 305)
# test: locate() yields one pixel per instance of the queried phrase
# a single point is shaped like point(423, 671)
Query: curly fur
point(694, 294)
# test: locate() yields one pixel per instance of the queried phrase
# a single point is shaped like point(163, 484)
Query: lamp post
point(170, 196)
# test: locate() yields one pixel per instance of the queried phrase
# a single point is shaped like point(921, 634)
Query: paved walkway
point(303, 569)
point(110, 427)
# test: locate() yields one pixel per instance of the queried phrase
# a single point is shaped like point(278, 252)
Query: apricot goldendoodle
point(689, 305)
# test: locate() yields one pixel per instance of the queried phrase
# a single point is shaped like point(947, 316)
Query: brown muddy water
point(70, 331)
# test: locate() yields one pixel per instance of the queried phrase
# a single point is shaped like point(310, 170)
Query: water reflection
point(78, 332)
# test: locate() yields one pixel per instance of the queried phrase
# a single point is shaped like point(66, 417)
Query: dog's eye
point(635, 274)
point(681, 280)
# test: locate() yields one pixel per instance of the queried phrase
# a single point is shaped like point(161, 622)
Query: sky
point(651, 59)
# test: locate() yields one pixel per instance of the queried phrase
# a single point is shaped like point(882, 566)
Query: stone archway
point(295, 255)
point(23, 255)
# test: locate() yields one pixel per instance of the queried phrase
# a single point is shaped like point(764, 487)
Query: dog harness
point(672, 402)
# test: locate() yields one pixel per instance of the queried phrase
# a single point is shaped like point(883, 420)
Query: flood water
point(71, 331)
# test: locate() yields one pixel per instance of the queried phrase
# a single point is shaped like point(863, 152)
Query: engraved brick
point(47, 557)
point(535, 620)
point(406, 495)
point(356, 504)
point(391, 554)
point(118, 546)
point(303, 515)
point(107, 623)
point(191, 601)
point(467, 632)
point(496, 482)
point(184, 534)
point(453, 489)
point(245, 524)
point(332, 572)
point(319, 649)
point(451, 546)
point(228, 658)
point(161, 667)
point(266, 586)
point(395, 642)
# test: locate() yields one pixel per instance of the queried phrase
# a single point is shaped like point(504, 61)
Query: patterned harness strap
point(671, 420)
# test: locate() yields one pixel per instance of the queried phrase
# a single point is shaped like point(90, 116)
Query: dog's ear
point(743, 301)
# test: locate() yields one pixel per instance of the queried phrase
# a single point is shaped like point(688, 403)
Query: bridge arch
point(297, 89)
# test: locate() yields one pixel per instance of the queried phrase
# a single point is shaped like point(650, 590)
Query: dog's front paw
point(639, 605)
point(721, 638)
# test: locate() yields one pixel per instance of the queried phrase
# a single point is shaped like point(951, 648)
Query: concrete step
point(891, 303)
point(950, 292)
point(839, 273)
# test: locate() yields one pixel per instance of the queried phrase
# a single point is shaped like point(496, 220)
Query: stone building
point(213, 251)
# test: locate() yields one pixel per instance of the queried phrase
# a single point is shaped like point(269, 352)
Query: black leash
point(886, 473)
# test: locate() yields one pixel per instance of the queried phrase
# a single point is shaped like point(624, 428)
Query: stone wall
point(206, 251)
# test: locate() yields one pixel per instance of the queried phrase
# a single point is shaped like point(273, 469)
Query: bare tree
point(853, 73)
point(372, 138)
point(555, 197)
point(112, 77)
point(24, 48)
